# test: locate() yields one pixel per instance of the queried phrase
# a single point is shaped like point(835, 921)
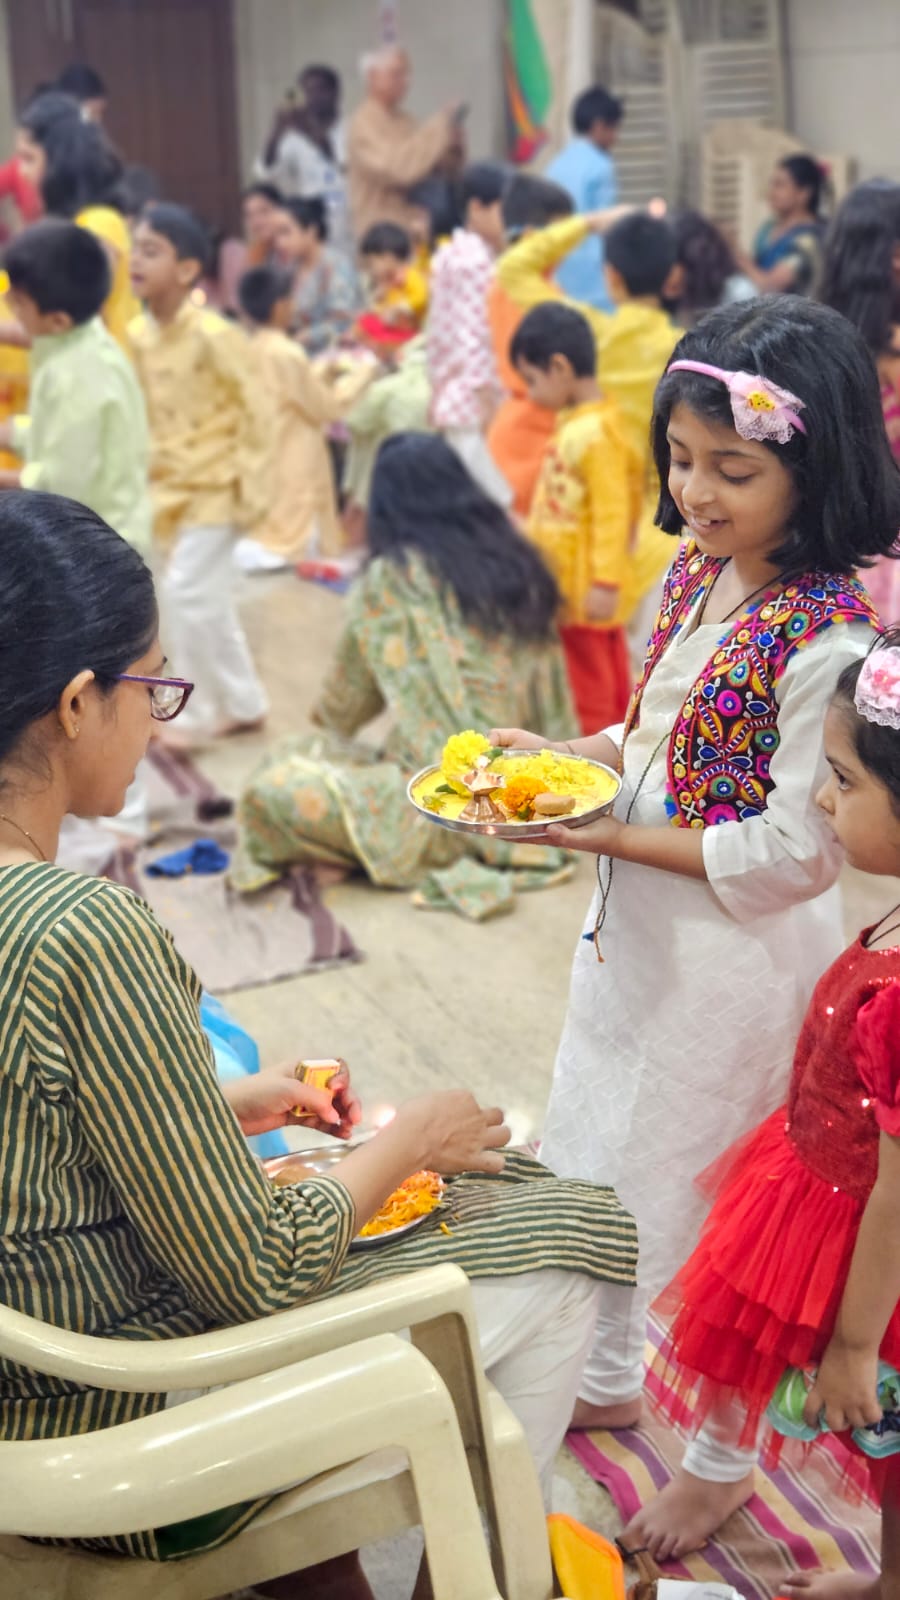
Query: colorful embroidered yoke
point(727, 730)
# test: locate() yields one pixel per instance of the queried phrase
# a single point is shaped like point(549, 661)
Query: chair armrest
point(250, 1440)
point(227, 1355)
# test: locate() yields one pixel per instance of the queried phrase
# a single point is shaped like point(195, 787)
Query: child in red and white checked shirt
point(461, 362)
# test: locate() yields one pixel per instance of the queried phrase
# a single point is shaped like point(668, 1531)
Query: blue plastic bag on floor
point(237, 1056)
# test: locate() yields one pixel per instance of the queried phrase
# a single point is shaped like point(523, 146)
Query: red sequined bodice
point(831, 1108)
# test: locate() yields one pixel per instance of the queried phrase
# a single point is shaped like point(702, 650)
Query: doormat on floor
point(233, 941)
point(796, 1519)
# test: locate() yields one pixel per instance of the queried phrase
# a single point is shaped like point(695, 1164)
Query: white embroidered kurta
point(683, 1040)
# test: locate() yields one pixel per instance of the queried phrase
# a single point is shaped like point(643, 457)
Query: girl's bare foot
point(684, 1515)
point(831, 1586)
point(625, 1414)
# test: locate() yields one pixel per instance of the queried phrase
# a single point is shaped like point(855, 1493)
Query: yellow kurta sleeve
point(319, 400)
point(128, 1039)
point(612, 508)
point(523, 270)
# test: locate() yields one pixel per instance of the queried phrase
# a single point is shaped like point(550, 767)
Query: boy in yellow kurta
point(634, 342)
point(210, 473)
point(586, 506)
point(303, 500)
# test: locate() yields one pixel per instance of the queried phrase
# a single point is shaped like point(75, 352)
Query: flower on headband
point(877, 695)
point(761, 409)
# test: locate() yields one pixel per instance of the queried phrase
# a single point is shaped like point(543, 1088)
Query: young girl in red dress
point(799, 1261)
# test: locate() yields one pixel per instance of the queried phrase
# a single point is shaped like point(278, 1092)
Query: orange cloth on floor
point(599, 674)
point(521, 430)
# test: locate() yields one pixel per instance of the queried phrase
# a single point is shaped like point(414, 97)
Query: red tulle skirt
point(762, 1290)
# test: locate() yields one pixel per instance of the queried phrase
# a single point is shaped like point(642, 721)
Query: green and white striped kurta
point(130, 1206)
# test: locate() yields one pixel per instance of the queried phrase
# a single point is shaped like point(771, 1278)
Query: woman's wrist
point(406, 1138)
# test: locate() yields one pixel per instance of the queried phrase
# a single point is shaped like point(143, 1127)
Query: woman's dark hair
point(82, 168)
point(74, 597)
point(81, 81)
point(309, 213)
point(423, 499)
point(553, 329)
point(846, 480)
point(878, 748)
point(327, 75)
point(138, 188)
point(807, 173)
point(706, 262)
point(858, 269)
point(259, 292)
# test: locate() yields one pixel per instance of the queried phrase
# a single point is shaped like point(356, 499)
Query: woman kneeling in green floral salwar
point(451, 626)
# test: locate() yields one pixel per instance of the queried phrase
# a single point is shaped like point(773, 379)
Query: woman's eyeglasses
point(168, 696)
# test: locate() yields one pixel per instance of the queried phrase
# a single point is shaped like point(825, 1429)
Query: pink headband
point(877, 695)
point(760, 409)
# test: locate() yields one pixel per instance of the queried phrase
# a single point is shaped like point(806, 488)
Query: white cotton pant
point(202, 632)
point(471, 447)
point(534, 1332)
point(614, 1373)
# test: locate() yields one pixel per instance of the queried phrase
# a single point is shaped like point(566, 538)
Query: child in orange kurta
point(586, 506)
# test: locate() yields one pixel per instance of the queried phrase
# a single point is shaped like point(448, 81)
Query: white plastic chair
point(311, 1390)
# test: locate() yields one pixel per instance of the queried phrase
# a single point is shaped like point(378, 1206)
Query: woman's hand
point(845, 1389)
point(270, 1099)
point(458, 1134)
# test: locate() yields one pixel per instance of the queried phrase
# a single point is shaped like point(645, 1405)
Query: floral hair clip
point(877, 696)
point(761, 410)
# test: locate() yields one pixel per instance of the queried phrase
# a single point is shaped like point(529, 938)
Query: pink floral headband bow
point(761, 410)
point(877, 695)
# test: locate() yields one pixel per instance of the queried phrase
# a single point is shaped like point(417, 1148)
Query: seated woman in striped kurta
point(130, 1206)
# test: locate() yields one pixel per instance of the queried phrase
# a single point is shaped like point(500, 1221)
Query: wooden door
point(169, 68)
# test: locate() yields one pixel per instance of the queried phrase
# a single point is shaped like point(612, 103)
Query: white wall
point(455, 47)
point(844, 63)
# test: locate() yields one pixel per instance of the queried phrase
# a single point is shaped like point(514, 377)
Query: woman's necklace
point(605, 887)
point(867, 942)
point(11, 822)
point(745, 600)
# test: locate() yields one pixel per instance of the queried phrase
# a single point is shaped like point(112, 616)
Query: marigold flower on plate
point(520, 792)
point(460, 755)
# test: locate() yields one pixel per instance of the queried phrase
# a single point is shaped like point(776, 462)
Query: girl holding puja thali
point(130, 1206)
point(716, 909)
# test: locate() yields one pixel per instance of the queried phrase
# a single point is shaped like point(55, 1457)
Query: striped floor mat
point(796, 1519)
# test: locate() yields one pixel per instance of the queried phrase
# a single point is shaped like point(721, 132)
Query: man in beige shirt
point(388, 152)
